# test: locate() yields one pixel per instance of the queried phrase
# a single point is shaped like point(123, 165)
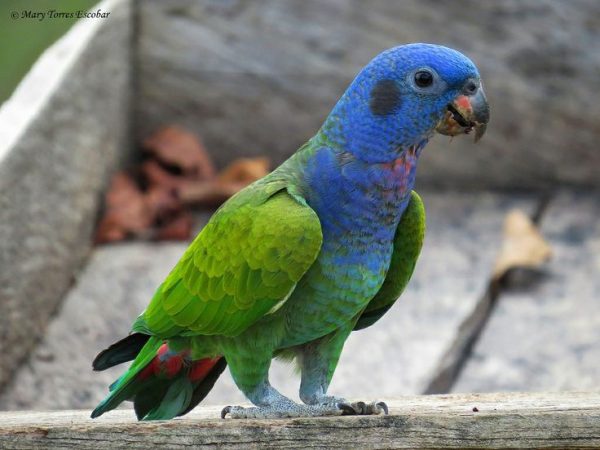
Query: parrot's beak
point(465, 114)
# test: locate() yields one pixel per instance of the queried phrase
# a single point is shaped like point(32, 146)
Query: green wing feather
point(244, 263)
point(123, 388)
point(407, 247)
point(175, 400)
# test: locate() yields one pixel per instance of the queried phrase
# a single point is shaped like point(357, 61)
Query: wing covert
point(245, 261)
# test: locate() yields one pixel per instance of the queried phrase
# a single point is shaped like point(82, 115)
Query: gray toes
point(237, 412)
point(347, 409)
point(293, 410)
point(374, 408)
point(225, 411)
point(363, 409)
point(383, 407)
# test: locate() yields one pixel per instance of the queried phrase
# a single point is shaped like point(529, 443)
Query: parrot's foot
point(364, 409)
point(292, 409)
point(348, 408)
point(281, 411)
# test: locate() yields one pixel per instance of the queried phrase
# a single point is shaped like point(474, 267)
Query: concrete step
point(545, 334)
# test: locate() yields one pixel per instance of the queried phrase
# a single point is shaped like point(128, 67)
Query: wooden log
point(526, 420)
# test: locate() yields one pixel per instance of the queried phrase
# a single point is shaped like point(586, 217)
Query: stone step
point(62, 132)
point(544, 335)
point(403, 353)
point(261, 78)
point(416, 346)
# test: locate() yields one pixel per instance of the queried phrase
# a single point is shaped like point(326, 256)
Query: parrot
point(295, 262)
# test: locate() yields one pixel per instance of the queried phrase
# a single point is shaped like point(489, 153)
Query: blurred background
point(117, 143)
point(23, 40)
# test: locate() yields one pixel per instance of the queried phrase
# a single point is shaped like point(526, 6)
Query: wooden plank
point(558, 420)
point(416, 345)
point(545, 331)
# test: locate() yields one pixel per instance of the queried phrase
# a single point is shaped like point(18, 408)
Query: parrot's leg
point(271, 404)
point(318, 360)
point(251, 376)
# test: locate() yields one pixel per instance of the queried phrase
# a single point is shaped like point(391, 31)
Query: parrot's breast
point(359, 207)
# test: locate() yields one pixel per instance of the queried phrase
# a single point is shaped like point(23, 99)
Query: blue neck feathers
point(352, 196)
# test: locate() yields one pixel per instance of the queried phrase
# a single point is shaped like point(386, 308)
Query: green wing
point(407, 246)
point(243, 264)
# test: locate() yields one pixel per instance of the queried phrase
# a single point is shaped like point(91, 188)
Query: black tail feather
point(122, 351)
point(148, 398)
point(206, 385)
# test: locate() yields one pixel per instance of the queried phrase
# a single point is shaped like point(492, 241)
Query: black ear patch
point(385, 98)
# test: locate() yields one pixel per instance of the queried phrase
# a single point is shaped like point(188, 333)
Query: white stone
point(61, 133)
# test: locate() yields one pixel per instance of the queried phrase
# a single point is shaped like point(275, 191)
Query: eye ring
point(423, 78)
point(470, 87)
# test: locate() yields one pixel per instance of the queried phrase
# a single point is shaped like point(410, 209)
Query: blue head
point(402, 96)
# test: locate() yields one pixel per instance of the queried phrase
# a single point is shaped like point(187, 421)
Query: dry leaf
point(237, 175)
point(208, 193)
point(155, 175)
point(523, 245)
point(133, 213)
point(162, 202)
point(126, 211)
point(159, 212)
point(178, 228)
point(177, 147)
point(245, 170)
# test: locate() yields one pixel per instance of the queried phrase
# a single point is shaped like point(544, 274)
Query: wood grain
point(524, 420)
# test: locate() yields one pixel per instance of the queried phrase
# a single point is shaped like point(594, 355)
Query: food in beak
point(465, 114)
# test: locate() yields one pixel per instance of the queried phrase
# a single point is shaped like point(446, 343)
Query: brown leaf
point(237, 175)
point(126, 211)
point(207, 193)
point(523, 245)
point(245, 170)
point(159, 213)
point(178, 228)
point(156, 175)
point(175, 146)
point(162, 202)
point(132, 213)
point(189, 190)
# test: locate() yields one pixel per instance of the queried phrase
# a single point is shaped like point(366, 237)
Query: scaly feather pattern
point(323, 245)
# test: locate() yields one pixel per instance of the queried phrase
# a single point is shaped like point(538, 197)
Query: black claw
point(347, 410)
point(383, 406)
point(360, 407)
point(225, 411)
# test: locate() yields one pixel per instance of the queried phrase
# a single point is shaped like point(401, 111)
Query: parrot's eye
point(470, 88)
point(423, 78)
